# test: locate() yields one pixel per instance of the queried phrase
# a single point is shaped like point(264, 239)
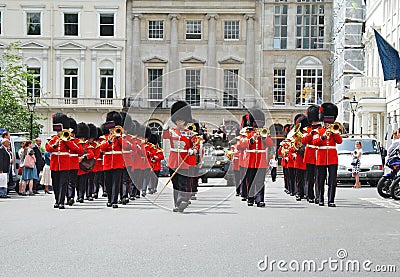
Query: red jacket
point(90, 154)
point(244, 157)
point(236, 159)
point(179, 151)
point(257, 151)
point(98, 155)
point(326, 153)
point(74, 154)
point(158, 156)
point(112, 149)
point(128, 146)
point(60, 159)
point(283, 161)
point(311, 150)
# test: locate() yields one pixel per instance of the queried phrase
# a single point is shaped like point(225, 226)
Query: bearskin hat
point(303, 120)
point(99, 133)
point(82, 130)
point(245, 121)
point(93, 131)
point(180, 110)
point(116, 117)
point(153, 139)
point(312, 113)
point(328, 109)
point(61, 118)
point(297, 117)
point(73, 125)
point(147, 132)
point(126, 118)
point(257, 118)
point(104, 129)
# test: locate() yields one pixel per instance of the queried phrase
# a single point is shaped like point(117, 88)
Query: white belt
point(236, 158)
point(179, 150)
point(312, 146)
point(113, 152)
point(326, 147)
point(256, 151)
point(73, 155)
point(60, 153)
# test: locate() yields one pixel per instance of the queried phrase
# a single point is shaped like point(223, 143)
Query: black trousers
point(154, 180)
point(332, 179)
point(146, 179)
point(125, 184)
point(82, 181)
point(72, 183)
point(113, 180)
point(181, 185)
point(59, 181)
point(310, 181)
point(236, 176)
point(194, 178)
point(99, 181)
point(90, 184)
point(243, 183)
point(300, 181)
point(292, 180)
point(286, 178)
point(256, 187)
point(273, 174)
point(137, 181)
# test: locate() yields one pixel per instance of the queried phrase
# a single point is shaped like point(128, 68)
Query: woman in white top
point(273, 164)
point(356, 166)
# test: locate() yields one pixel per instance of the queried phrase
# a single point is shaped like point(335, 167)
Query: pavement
point(218, 235)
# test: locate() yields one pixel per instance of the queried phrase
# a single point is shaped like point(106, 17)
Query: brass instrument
point(263, 132)
point(65, 135)
point(191, 127)
point(117, 131)
point(335, 128)
point(295, 136)
point(229, 154)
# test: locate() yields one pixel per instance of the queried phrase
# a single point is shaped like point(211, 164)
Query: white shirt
point(395, 144)
point(273, 163)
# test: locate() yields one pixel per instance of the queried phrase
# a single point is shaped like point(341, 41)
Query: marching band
point(124, 158)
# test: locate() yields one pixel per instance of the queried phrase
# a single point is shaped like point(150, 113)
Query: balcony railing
point(80, 102)
point(365, 85)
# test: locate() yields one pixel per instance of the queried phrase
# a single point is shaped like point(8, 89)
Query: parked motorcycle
point(385, 183)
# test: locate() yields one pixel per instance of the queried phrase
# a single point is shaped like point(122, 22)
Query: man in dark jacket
point(39, 162)
point(5, 161)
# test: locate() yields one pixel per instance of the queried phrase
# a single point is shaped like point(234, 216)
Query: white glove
point(165, 127)
point(191, 151)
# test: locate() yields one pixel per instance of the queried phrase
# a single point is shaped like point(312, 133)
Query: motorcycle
point(386, 182)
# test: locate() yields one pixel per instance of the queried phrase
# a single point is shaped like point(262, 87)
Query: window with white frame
point(33, 82)
point(310, 26)
point(70, 83)
point(156, 129)
point(280, 26)
point(71, 24)
point(279, 87)
point(231, 29)
point(231, 88)
point(106, 83)
point(33, 23)
point(309, 86)
point(155, 84)
point(156, 29)
point(192, 87)
point(193, 29)
point(106, 24)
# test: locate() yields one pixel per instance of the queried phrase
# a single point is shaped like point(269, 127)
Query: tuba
point(335, 128)
point(295, 136)
point(65, 135)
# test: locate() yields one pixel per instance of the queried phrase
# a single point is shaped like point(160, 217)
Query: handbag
point(3, 180)
point(354, 162)
point(29, 161)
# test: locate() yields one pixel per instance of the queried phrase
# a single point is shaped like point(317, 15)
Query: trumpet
point(335, 128)
point(263, 132)
point(229, 154)
point(191, 127)
point(65, 135)
point(117, 131)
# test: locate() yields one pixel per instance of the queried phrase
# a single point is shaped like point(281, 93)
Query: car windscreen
point(369, 146)
point(17, 147)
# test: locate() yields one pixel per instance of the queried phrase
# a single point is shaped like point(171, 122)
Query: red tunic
point(99, 158)
point(257, 149)
point(283, 161)
point(326, 153)
point(311, 150)
point(90, 154)
point(74, 154)
point(128, 148)
point(157, 158)
point(60, 159)
point(179, 150)
point(112, 149)
point(236, 159)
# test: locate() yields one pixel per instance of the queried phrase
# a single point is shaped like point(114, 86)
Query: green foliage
point(14, 114)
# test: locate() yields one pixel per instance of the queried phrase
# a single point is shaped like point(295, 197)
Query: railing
point(365, 83)
point(80, 102)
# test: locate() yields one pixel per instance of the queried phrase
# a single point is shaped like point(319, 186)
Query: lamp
point(31, 107)
point(353, 107)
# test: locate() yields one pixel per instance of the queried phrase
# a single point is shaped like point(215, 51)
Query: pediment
point(33, 45)
point(231, 60)
point(309, 60)
point(106, 46)
point(70, 46)
point(193, 59)
point(155, 59)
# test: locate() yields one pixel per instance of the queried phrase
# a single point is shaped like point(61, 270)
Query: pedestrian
point(7, 135)
point(356, 163)
point(22, 185)
point(395, 142)
point(29, 172)
point(46, 175)
point(5, 162)
point(39, 162)
point(273, 164)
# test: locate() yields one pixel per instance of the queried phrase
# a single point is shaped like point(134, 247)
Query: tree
point(14, 115)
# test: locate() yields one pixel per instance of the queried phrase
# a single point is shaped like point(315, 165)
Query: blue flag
point(389, 58)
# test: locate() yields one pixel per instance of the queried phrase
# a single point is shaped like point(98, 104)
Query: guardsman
point(138, 161)
point(83, 133)
point(326, 139)
point(181, 149)
point(98, 168)
point(244, 157)
point(310, 158)
point(299, 164)
point(256, 146)
point(147, 152)
point(291, 170)
point(192, 131)
point(283, 151)
point(59, 147)
point(127, 155)
point(90, 192)
point(157, 156)
point(235, 164)
point(113, 159)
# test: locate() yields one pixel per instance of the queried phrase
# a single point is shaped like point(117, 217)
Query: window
point(193, 29)
point(33, 84)
point(71, 24)
point(192, 87)
point(156, 29)
point(231, 30)
point(280, 27)
point(308, 86)
point(155, 84)
point(33, 23)
point(279, 87)
point(310, 29)
point(231, 92)
point(107, 25)
point(106, 83)
point(71, 83)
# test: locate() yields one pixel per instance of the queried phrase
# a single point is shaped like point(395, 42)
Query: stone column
point(128, 50)
point(364, 122)
point(58, 75)
point(174, 54)
point(136, 74)
point(211, 73)
point(250, 48)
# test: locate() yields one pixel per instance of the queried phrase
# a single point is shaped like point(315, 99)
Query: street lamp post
point(31, 107)
point(353, 106)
